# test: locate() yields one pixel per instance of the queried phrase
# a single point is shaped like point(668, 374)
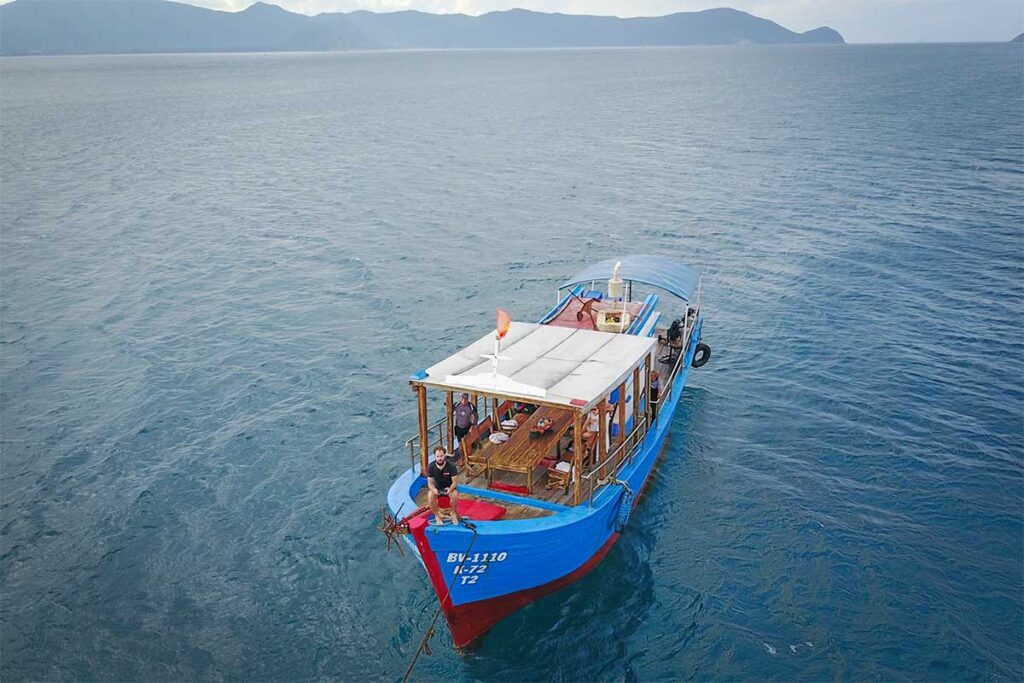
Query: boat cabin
point(561, 405)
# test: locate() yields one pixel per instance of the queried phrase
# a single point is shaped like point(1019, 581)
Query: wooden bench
point(558, 479)
point(476, 462)
point(475, 459)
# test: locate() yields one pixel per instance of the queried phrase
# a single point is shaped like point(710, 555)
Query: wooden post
point(636, 395)
point(448, 406)
point(496, 423)
point(421, 404)
point(636, 401)
point(622, 422)
point(602, 432)
point(577, 455)
point(647, 390)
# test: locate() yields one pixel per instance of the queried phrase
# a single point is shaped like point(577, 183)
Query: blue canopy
point(656, 271)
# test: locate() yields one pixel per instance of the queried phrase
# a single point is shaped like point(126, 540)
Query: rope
point(625, 505)
point(392, 527)
point(429, 633)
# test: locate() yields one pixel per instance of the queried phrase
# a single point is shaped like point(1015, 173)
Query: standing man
point(464, 417)
point(442, 480)
point(655, 393)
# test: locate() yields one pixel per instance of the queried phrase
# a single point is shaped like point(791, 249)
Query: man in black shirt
point(442, 480)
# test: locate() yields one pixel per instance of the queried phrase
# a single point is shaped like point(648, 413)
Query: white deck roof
point(542, 363)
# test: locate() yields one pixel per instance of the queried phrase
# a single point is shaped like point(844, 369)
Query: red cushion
point(547, 462)
point(478, 510)
point(498, 486)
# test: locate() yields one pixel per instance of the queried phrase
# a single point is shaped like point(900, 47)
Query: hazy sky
point(860, 21)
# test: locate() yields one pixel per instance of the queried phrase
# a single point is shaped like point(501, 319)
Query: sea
point(217, 272)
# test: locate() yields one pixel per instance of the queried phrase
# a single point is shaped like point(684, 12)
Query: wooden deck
point(538, 491)
point(512, 510)
point(663, 369)
point(521, 454)
point(567, 316)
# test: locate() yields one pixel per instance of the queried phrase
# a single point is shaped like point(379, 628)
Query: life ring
point(701, 355)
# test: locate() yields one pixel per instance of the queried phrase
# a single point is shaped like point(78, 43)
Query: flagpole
point(494, 361)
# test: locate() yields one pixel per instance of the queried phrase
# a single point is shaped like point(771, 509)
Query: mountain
point(523, 28)
point(1018, 39)
point(121, 26)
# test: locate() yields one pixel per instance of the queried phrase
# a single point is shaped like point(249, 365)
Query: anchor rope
point(429, 633)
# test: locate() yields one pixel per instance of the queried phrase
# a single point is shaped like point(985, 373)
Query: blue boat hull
point(482, 578)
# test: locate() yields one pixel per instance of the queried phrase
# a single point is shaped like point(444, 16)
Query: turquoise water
point(218, 271)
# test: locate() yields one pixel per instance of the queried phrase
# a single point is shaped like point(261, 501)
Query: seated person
point(442, 480)
point(527, 408)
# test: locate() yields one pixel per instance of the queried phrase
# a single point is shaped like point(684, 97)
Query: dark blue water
point(218, 271)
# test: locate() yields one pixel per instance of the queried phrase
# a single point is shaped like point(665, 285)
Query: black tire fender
point(701, 355)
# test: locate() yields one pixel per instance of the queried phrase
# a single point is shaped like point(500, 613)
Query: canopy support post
point(602, 436)
point(647, 391)
point(577, 455)
point(622, 424)
point(636, 402)
point(421, 405)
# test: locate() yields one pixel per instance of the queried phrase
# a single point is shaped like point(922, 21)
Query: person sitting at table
point(594, 427)
point(442, 480)
point(527, 408)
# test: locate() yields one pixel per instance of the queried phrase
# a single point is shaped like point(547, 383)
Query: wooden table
point(521, 454)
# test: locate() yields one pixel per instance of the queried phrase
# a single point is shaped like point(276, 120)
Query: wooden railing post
point(421, 404)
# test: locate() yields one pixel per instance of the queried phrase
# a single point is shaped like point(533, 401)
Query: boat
point(568, 430)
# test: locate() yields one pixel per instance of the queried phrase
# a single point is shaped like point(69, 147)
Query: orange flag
point(504, 322)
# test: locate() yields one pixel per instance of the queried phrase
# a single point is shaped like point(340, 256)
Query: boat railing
point(630, 445)
point(636, 438)
point(431, 442)
point(666, 386)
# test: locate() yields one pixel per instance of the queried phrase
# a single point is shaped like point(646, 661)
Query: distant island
point(1018, 39)
point(149, 26)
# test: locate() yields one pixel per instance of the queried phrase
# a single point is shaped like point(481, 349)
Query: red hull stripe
point(418, 527)
point(471, 620)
